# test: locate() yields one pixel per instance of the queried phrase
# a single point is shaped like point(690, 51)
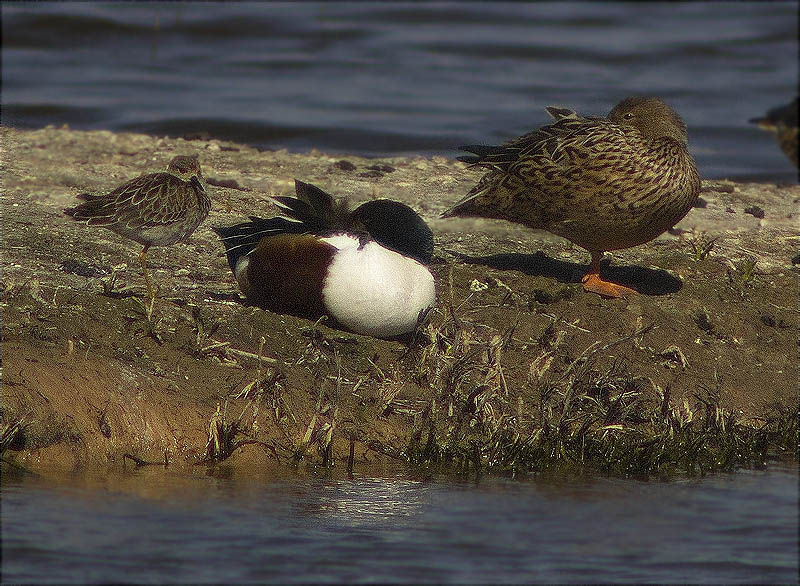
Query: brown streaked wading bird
point(158, 209)
point(782, 121)
point(602, 183)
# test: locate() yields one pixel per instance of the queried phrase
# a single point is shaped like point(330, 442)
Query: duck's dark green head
point(395, 226)
point(650, 116)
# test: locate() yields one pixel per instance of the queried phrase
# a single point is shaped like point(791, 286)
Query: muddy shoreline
point(89, 379)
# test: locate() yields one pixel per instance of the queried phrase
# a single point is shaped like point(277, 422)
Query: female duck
point(602, 183)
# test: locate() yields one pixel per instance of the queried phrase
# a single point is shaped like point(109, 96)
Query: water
point(152, 526)
point(397, 79)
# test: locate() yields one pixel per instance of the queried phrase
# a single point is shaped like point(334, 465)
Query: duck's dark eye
point(628, 115)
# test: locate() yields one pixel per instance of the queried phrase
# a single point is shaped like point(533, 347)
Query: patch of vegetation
point(25, 432)
point(742, 274)
point(588, 419)
point(12, 432)
point(265, 388)
point(702, 245)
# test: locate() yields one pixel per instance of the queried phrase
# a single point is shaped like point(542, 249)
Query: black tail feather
point(313, 195)
point(298, 210)
point(312, 210)
point(316, 209)
point(243, 238)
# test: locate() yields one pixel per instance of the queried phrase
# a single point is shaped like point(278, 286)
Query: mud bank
point(87, 379)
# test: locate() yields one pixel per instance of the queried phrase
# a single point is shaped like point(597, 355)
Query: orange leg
point(594, 283)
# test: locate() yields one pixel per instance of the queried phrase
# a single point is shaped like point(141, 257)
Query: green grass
point(701, 245)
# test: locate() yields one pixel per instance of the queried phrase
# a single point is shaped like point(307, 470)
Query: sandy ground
point(92, 380)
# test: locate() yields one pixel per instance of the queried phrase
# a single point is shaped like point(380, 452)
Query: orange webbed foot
point(593, 283)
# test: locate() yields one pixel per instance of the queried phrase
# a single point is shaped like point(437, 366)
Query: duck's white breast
point(375, 291)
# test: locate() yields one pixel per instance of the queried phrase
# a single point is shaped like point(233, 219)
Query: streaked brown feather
point(155, 209)
point(599, 182)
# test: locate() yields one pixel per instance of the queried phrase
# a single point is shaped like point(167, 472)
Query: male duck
point(365, 268)
point(602, 183)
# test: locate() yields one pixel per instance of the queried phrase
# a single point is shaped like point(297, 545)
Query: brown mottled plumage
point(782, 121)
point(602, 183)
point(158, 209)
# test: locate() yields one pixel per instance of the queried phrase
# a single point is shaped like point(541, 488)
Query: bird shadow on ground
point(644, 280)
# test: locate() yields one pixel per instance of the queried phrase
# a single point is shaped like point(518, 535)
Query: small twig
point(376, 446)
point(139, 462)
point(214, 346)
point(556, 319)
point(351, 458)
point(594, 349)
point(236, 446)
point(219, 344)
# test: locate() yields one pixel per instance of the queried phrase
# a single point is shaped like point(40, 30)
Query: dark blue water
point(149, 526)
point(392, 78)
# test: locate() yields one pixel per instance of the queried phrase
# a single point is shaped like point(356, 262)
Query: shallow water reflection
point(150, 526)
